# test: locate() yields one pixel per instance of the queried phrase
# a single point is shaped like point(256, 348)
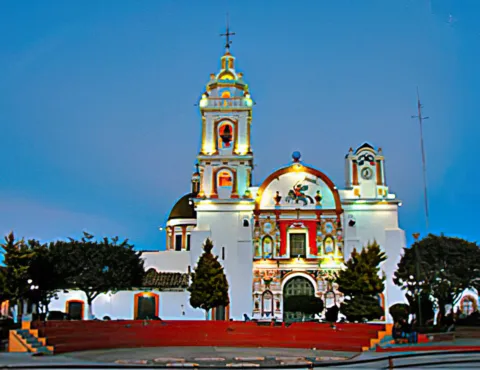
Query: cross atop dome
point(227, 35)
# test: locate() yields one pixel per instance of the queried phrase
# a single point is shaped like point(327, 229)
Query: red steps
point(76, 336)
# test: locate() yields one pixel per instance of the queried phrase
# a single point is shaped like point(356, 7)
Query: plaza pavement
point(222, 357)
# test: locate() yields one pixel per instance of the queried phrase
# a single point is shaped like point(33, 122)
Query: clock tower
point(365, 172)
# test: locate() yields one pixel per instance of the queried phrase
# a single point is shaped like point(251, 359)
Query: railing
point(225, 103)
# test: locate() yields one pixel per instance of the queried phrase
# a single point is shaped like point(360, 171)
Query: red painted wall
point(83, 335)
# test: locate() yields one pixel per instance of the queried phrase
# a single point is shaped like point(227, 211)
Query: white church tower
point(224, 205)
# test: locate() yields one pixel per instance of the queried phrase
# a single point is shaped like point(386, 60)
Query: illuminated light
point(334, 188)
point(242, 149)
point(248, 102)
point(400, 204)
point(203, 102)
point(160, 228)
point(208, 149)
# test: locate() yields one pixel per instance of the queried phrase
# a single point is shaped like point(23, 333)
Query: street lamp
point(417, 272)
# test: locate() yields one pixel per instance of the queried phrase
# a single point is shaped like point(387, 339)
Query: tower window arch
point(226, 94)
point(225, 135)
point(225, 179)
point(267, 246)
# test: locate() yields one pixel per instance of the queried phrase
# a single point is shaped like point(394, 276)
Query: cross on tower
point(227, 36)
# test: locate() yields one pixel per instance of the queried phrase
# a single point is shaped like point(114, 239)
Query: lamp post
point(417, 273)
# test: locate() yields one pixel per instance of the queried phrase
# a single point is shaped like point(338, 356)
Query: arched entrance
point(296, 286)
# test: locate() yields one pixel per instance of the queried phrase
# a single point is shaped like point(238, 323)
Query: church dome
point(184, 208)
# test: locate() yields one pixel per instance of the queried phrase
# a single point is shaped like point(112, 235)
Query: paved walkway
point(212, 355)
point(238, 357)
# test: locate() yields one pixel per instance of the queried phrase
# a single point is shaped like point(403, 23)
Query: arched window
point(246, 223)
point(267, 247)
point(321, 285)
point(225, 136)
point(468, 305)
point(329, 245)
point(258, 249)
point(225, 179)
point(267, 303)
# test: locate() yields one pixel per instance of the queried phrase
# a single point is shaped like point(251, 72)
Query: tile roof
point(165, 280)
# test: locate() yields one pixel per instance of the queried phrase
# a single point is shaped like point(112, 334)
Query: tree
point(306, 304)
point(427, 306)
point(16, 257)
point(3, 282)
point(209, 287)
point(97, 267)
point(399, 311)
point(361, 284)
point(447, 267)
point(45, 271)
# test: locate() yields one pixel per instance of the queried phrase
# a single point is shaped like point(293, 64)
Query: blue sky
point(100, 132)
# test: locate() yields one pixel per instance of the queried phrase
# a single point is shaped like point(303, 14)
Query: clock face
point(367, 173)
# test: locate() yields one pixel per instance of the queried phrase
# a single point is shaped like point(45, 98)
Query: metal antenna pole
point(420, 121)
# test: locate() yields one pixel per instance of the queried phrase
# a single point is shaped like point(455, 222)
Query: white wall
point(167, 261)
point(225, 223)
point(171, 307)
point(121, 305)
point(395, 241)
point(378, 222)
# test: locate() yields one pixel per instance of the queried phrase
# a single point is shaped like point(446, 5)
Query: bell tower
point(225, 157)
point(224, 204)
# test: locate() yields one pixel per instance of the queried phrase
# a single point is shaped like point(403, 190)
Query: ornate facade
point(289, 234)
point(283, 237)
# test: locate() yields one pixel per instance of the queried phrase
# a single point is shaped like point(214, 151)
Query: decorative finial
point(196, 168)
point(277, 198)
point(227, 36)
point(296, 156)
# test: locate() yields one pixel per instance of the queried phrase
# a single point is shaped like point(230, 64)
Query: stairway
point(33, 343)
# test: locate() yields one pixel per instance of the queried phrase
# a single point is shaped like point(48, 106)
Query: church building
point(284, 236)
